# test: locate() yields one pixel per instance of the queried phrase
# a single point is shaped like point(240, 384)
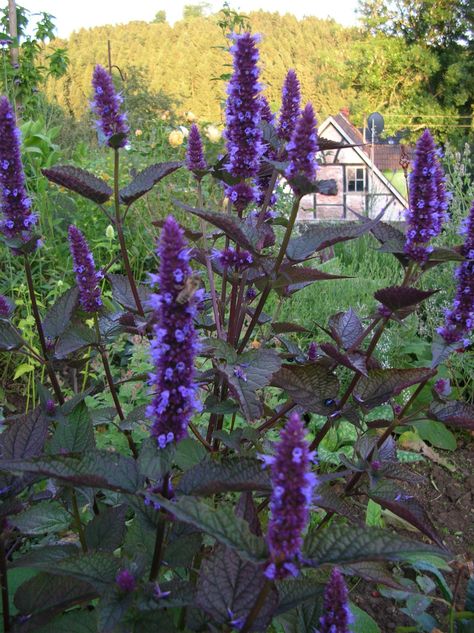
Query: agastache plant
point(182, 528)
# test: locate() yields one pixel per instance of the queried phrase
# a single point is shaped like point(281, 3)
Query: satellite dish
point(375, 124)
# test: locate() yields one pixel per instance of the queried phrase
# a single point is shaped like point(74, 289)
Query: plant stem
point(259, 602)
point(113, 390)
point(39, 327)
point(77, 518)
point(123, 246)
point(160, 535)
point(4, 583)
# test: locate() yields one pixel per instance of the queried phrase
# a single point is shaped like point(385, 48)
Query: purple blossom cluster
point(194, 154)
point(229, 257)
point(293, 484)
point(290, 106)
point(18, 220)
point(174, 345)
point(87, 277)
point(243, 116)
point(428, 199)
point(265, 111)
point(337, 615)
point(106, 104)
point(126, 581)
point(459, 320)
point(303, 146)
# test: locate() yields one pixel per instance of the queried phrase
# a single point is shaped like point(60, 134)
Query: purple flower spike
point(303, 146)
point(126, 581)
point(460, 319)
point(428, 200)
point(5, 307)
point(231, 258)
point(194, 154)
point(293, 484)
point(243, 113)
point(87, 277)
point(106, 104)
point(290, 106)
point(174, 345)
point(337, 616)
point(18, 220)
point(265, 111)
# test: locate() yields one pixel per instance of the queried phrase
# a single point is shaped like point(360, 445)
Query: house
point(368, 179)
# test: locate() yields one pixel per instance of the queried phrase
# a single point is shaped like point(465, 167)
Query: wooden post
point(13, 28)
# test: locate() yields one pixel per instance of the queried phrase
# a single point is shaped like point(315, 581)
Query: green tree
point(195, 10)
point(160, 17)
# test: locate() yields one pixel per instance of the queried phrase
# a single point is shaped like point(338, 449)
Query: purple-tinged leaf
point(392, 240)
point(46, 517)
point(313, 386)
point(74, 434)
point(98, 569)
point(260, 235)
point(290, 275)
point(231, 474)
point(328, 499)
point(454, 413)
point(74, 338)
point(46, 555)
point(106, 531)
point(111, 611)
point(24, 436)
point(383, 384)
point(354, 360)
point(229, 224)
point(189, 234)
point(227, 588)
point(401, 297)
point(183, 545)
point(10, 337)
point(146, 180)
point(122, 292)
point(80, 181)
point(442, 255)
point(346, 328)
point(281, 327)
point(247, 510)
point(351, 544)
point(305, 617)
point(297, 591)
point(59, 315)
point(372, 572)
point(74, 621)
point(441, 350)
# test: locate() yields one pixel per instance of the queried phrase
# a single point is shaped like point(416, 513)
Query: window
point(355, 179)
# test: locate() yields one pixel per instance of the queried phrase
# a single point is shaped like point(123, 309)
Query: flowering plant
point(173, 533)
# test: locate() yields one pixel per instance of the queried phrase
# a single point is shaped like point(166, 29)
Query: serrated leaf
point(221, 523)
point(154, 463)
point(122, 292)
point(371, 571)
point(283, 326)
point(351, 544)
point(294, 592)
point(441, 350)
point(106, 531)
point(98, 569)
point(47, 555)
point(79, 180)
point(96, 469)
point(382, 384)
point(74, 434)
point(183, 544)
point(42, 518)
point(252, 371)
point(328, 499)
point(401, 297)
point(290, 275)
point(10, 338)
point(146, 180)
point(346, 328)
point(73, 622)
point(227, 588)
point(454, 413)
point(313, 386)
point(25, 435)
point(189, 452)
point(111, 611)
point(59, 315)
point(75, 337)
point(354, 361)
point(49, 593)
point(318, 237)
point(231, 474)
point(230, 224)
point(392, 240)
point(302, 619)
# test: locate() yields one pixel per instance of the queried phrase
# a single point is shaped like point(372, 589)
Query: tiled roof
point(387, 157)
point(349, 129)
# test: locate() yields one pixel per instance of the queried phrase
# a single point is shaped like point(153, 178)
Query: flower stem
point(77, 519)
point(121, 237)
point(39, 327)
point(259, 602)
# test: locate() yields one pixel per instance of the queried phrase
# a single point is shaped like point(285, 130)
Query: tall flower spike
point(337, 616)
point(293, 484)
point(290, 106)
point(303, 146)
point(265, 111)
point(428, 200)
point(243, 115)
point(87, 277)
point(106, 104)
point(174, 345)
point(194, 154)
point(18, 220)
point(460, 319)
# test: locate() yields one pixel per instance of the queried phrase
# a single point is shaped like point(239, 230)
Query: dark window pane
point(360, 185)
point(360, 174)
point(351, 185)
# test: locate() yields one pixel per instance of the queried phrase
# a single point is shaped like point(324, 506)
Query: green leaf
point(42, 518)
point(293, 592)
point(146, 180)
point(183, 544)
point(111, 611)
point(79, 180)
point(154, 463)
point(382, 384)
point(232, 474)
point(343, 544)
point(227, 588)
point(75, 434)
point(49, 593)
point(373, 515)
point(106, 531)
point(313, 386)
point(59, 315)
point(99, 569)
point(189, 452)
point(221, 523)
point(436, 434)
point(303, 619)
point(73, 622)
point(10, 338)
point(363, 623)
point(22, 369)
